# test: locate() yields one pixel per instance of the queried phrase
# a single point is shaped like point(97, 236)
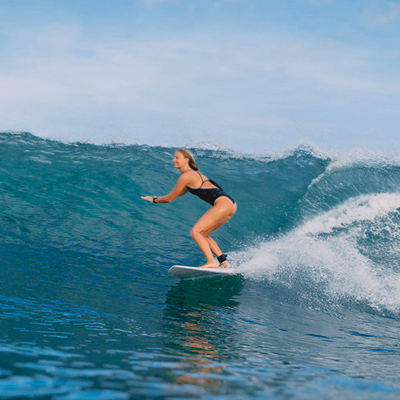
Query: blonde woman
point(223, 206)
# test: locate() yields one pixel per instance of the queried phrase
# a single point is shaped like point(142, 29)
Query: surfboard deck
point(184, 272)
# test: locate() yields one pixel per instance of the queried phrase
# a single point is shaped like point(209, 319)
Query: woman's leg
point(216, 216)
point(213, 246)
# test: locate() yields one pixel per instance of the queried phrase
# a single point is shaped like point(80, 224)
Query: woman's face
point(179, 160)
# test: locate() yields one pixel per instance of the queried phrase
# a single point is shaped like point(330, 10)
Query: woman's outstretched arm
point(179, 190)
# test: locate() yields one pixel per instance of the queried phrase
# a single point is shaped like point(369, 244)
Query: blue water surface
point(88, 310)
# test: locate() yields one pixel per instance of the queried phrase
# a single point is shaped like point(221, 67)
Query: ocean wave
point(318, 227)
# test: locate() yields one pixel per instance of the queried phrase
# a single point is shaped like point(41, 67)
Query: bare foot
point(210, 265)
point(224, 264)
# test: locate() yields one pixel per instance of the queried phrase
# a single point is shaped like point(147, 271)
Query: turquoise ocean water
point(88, 310)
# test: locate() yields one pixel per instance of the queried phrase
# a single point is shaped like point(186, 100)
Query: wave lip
point(362, 208)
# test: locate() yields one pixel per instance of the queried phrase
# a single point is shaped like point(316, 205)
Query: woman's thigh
point(216, 216)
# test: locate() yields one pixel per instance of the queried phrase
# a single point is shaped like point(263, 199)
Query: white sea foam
point(362, 208)
point(327, 254)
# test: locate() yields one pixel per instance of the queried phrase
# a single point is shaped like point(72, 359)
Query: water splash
point(350, 254)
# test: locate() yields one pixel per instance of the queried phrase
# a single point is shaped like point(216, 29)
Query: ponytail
point(187, 154)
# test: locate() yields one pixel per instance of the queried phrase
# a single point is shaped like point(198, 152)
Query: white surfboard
point(184, 272)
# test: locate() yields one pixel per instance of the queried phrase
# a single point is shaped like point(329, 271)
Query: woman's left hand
point(148, 198)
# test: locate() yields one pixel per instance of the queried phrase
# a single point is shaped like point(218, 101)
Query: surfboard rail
point(185, 272)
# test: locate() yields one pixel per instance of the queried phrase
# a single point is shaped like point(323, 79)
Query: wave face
point(302, 217)
point(312, 232)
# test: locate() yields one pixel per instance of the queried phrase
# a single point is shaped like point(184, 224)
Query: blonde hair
point(189, 155)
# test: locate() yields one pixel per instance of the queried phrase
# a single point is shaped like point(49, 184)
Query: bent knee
point(195, 232)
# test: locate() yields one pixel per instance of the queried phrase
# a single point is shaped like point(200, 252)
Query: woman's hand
point(148, 198)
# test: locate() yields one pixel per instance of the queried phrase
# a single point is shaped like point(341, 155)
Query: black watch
point(154, 199)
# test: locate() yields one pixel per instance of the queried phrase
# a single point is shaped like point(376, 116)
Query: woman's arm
point(179, 190)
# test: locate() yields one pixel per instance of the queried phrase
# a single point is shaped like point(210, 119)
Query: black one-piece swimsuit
point(209, 194)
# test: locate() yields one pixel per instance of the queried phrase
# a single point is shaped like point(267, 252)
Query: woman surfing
point(223, 206)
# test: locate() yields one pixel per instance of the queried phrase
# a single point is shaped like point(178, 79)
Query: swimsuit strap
point(202, 180)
